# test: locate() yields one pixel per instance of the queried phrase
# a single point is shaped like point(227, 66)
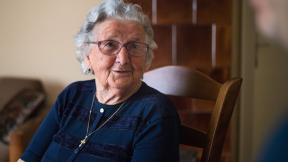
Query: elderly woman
point(115, 117)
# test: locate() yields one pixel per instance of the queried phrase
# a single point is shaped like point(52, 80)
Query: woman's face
point(122, 70)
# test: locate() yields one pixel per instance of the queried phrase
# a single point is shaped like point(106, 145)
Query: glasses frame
point(99, 43)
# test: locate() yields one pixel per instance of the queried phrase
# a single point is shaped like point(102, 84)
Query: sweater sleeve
point(158, 141)
point(42, 137)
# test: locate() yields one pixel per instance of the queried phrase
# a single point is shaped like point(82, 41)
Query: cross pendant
point(83, 141)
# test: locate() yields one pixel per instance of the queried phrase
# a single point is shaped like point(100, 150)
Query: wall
point(36, 40)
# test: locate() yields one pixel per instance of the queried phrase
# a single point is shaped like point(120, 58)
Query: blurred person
point(271, 19)
point(116, 116)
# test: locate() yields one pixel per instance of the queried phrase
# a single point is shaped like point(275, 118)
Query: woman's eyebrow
point(136, 39)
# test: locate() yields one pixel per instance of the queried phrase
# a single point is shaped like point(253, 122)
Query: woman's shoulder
point(150, 94)
point(83, 85)
point(75, 92)
point(151, 101)
point(78, 88)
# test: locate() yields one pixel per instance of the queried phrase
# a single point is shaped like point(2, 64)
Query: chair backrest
point(185, 82)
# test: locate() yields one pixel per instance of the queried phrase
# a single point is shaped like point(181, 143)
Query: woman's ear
point(87, 61)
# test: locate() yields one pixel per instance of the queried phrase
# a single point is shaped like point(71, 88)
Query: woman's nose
point(123, 56)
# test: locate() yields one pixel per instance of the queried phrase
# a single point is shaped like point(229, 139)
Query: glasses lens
point(137, 48)
point(109, 47)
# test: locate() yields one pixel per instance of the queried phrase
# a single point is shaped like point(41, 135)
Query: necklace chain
point(84, 140)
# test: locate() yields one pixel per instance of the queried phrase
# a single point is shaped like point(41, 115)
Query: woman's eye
point(133, 46)
point(110, 44)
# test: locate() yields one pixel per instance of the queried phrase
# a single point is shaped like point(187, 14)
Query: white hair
point(112, 9)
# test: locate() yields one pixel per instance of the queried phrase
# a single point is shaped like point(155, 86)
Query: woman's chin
point(125, 84)
point(122, 83)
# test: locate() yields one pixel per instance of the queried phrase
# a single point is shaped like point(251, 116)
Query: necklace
point(88, 134)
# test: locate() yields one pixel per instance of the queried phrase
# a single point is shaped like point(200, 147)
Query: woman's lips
point(122, 72)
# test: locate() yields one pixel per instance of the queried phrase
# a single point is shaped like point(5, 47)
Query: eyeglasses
point(112, 47)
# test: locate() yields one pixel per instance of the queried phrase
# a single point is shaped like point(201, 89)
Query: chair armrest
point(16, 146)
point(20, 137)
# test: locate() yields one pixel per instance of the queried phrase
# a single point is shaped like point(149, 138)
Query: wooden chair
point(185, 82)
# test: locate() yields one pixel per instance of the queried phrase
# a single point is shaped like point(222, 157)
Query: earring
point(89, 70)
point(86, 68)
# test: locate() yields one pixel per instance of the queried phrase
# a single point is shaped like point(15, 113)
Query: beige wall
point(36, 40)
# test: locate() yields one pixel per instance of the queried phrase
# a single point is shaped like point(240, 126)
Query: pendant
point(83, 141)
